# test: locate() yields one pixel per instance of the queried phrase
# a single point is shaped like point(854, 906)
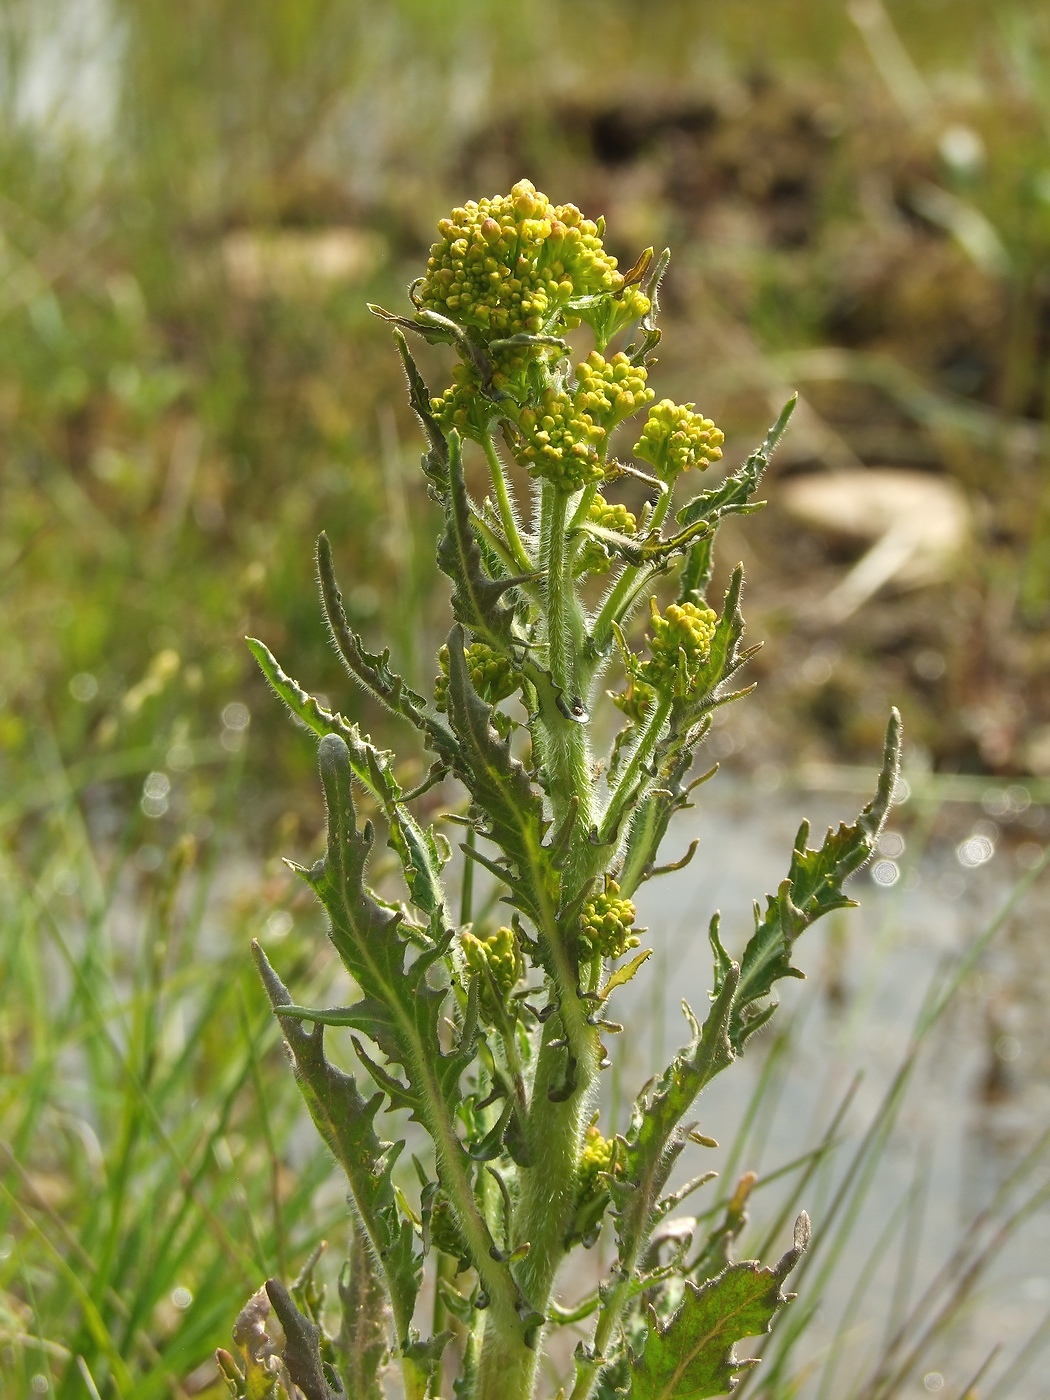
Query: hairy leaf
point(692, 1357)
point(362, 1340)
point(813, 887)
point(302, 1355)
point(435, 460)
point(655, 1139)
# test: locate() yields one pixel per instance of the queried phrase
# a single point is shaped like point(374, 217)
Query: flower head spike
point(675, 438)
point(562, 442)
point(507, 266)
point(597, 1156)
point(611, 390)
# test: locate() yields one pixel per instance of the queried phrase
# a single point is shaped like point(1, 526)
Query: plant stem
point(641, 755)
point(565, 748)
point(466, 892)
point(506, 509)
point(610, 610)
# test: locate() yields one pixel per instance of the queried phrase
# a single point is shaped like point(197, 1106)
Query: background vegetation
point(195, 204)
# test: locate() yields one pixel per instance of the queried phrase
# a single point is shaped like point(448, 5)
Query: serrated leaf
point(623, 975)
point(692, 1356)
point(813, 888)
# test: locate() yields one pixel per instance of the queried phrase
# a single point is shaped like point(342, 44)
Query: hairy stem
point(643, 751)
point(565, 749)
point(612, 610)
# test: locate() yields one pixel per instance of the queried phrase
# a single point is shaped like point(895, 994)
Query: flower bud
point(675, 438)
point(679, 643)
point(606, 922)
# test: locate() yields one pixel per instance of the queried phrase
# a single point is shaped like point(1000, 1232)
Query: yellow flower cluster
point(611, 390)
point(561, 441)
point(635, 700)
point(464, 406)
point(500, 955)
point(606, 923)
point(596, 1156)
point(675, 438)
point(506, 266)
point(491, 675)
point(684, 631)
point(593, 557)
point(566, 434)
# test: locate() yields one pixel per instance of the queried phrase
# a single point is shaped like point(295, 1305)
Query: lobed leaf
point(435, 459)
point(346, 1122)
point(372, 670)
point(692, 1356)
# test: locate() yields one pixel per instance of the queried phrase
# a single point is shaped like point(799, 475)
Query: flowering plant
point(489, 1033)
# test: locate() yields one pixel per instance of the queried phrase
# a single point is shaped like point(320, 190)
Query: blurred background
point(196, 202)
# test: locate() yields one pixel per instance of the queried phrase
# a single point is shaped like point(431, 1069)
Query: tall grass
point(146, 1178)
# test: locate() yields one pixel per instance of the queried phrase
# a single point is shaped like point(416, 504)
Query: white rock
point(916, 523)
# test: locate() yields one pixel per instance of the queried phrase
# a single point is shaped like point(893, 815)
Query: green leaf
point(435, 460)
point(500, 788)
point(663, 1105)
point(813, 887)
point(692, 1356)
point(696, 571)
point(361, 1343)
point(655, 1140)
point(624, 974)
point(477, 598)
point(302, 1346)
point(372, 670)
point(346, 1122)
